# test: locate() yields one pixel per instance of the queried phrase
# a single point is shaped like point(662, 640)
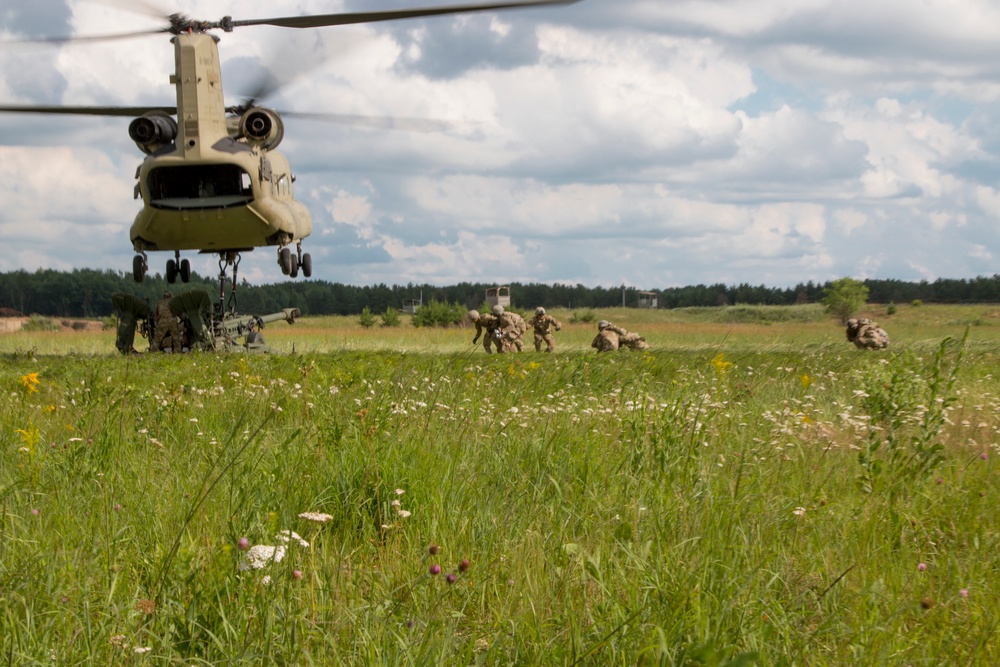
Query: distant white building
point(412, 305)
point(648, 300)
point(498, 296)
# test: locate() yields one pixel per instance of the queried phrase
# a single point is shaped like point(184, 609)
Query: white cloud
point(643, 142)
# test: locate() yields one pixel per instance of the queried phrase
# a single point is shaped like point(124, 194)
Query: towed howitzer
point(204, 327)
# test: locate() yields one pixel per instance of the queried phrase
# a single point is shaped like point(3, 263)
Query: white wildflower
point(260, 556)
point(290, 535)
point(318, 517)
point(799, 511)
point(403, 514)
point(142, 649)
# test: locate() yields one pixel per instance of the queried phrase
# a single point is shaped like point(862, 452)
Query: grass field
point(753, 490)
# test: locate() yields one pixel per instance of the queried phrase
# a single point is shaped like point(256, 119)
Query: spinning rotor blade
point(88, 111)
point(376, 122)
point(323, 20)
point(181, 24)
point(94, 38)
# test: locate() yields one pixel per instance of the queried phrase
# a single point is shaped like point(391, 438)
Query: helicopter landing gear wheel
point(285, 261)
point(295, 271)
point(138, 268)
point(171, 271)
point(185, 271)
point(307, 265)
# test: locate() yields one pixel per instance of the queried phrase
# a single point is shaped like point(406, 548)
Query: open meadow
point(752, 490)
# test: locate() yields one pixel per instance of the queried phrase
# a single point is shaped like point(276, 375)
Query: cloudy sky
point(645, 142)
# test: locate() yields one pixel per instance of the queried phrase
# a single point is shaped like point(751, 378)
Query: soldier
point(485, 323)
point(542, 325)
point(867, 335)
point(622, 338)
point(166, 324)
point(606, 339)
point(511, 328)
point(632, 341)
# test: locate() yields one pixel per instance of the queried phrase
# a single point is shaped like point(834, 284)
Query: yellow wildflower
point(30, 382)
point(720, 364)
point(806, 381)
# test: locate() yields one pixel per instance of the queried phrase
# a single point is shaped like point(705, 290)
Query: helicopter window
point(199, 186)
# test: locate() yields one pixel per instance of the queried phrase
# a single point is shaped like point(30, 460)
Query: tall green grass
point(711, 502)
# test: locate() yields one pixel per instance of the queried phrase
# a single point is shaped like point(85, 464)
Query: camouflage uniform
point(542, 324)
point(166, 324)
point(867, 335)
point(512, 327)
point(487, 323)
point(606, 340)
point(632, 341)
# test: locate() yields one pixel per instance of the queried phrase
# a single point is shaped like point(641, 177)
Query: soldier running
point(543, 325)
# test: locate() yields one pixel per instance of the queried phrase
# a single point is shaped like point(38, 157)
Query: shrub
point(438, 314)
point(390, 318)
point(845, 297)
point(40, 323)
point(367, 318)
point(916, 303)
point(890, 309)
point(586, 317)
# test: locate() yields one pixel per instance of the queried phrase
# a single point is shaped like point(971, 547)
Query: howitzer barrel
point(246, 322)
point(288, 314)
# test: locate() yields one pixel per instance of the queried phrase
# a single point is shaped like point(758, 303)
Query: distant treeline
point(87, 293)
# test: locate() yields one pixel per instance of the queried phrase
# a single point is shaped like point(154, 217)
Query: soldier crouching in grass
point(484, 323)
point(867, 335)
point(623, 338)
point(511, 328)
point(543, 325)
point(606, 339)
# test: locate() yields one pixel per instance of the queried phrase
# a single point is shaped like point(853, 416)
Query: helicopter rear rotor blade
point(88, 111)
point(91, 38)
point(323, 20)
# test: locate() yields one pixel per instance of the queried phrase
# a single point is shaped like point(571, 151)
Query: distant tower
point(498, 296)
point(648, 299)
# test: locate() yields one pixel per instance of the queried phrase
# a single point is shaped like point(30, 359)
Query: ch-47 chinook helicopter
point(212, 180)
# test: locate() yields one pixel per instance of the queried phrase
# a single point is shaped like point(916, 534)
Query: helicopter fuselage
point(216, 186)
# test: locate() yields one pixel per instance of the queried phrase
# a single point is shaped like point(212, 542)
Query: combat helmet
point(539, 311)
point(498, 310)
point(474, 315)
point(602, 325)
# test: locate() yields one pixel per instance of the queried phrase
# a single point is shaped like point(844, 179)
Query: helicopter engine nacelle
point(152, 131)
point(262, 127)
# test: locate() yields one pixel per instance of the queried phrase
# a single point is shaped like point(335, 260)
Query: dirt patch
point(11, 324)
point(81, 325)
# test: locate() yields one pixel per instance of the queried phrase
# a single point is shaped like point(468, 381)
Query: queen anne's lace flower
point(260, 556)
